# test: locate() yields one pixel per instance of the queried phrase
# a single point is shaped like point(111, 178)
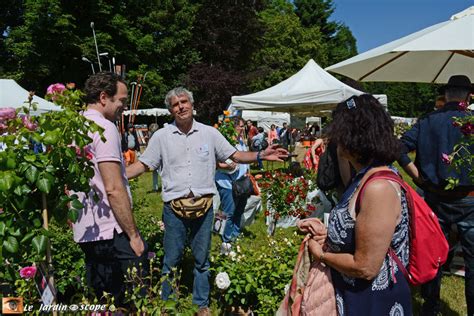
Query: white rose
point(161, 225)
point(287, 288)
point(233, 255)
point(222, 280)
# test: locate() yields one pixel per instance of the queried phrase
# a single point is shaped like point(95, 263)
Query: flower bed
point(255, 278)
point(286, 194)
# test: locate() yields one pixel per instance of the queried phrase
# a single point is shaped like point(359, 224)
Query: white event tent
point(266, 119)
point(309, 92)
point(148, 112)
point(14, 96)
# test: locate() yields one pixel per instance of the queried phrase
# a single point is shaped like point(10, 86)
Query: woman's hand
point(321, 239)
point(314, 227)
point(315, 248)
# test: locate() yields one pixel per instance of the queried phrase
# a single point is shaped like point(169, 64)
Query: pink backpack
point(428, 246)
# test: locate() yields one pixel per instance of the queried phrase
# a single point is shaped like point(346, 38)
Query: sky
point(377, 22)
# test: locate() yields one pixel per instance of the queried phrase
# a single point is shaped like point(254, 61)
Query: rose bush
point(462, 156)
point(33, 180)
point(286, 194)
point(28, 272)
point(256, 276)
point(222, 281)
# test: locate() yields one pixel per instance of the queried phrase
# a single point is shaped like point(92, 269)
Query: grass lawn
point(147, 202)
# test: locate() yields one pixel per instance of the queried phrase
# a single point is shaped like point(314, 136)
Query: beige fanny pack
point(192, 207)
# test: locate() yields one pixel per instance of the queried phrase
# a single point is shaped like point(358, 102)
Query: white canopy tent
point(13, 95)
point(148, 112)
point(309, 92)
point(266, 119)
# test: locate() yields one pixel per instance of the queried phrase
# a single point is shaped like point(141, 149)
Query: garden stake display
point(135, 96)
point(49, 262)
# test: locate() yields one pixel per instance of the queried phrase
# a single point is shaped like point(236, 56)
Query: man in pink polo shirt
point(106, 230)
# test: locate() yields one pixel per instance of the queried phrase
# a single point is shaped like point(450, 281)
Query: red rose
point(467, 128)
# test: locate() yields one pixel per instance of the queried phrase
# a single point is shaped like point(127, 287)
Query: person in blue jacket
point(434, 137)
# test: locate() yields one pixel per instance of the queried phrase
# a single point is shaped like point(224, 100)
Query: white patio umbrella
point(430, 55)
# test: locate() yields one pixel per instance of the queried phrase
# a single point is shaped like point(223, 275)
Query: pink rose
point(446, 158)
point(28, 272)
point(7, 114)
point(88, 152)
point(467, 128)
point(463, 106)
point(56, 88)
point(28, 123)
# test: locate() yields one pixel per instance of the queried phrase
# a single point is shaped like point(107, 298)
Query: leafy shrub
point(258, 277)
point(34, 180)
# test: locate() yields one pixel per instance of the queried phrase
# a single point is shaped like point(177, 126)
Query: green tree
point(341, 43)
point(10, 16)
point(287, 46)
point(226, 34)
point(342, 46)
point(38, 47)
point(317, 12)
point(406, 99)
point(48, 43)
point(146, 36)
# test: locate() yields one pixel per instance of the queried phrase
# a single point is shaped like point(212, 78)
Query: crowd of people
point(196, 162)
point(284, 135)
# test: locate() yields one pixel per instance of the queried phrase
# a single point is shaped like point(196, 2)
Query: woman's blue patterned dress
point(382, 295)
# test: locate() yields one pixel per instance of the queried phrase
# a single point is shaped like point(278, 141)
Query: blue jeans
point(233, 209)
point(176, 235)
point(461, 213)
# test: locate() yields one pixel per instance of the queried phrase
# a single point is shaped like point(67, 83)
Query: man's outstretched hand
point(274, 153)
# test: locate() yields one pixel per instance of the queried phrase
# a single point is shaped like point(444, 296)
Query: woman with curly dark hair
point(366, 279)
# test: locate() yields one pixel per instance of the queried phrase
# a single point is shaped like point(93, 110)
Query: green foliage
point(462, 156)
point(341, 44)
point(317, 12)
point(287, 46)
point(405, 99)
point(400, 129)
point(286, 194)
point(46, 30)
point(258, 276)
point(226, 35)
point(48, 38)
point(69, 264)
point(227, 129)
point(151, 303)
